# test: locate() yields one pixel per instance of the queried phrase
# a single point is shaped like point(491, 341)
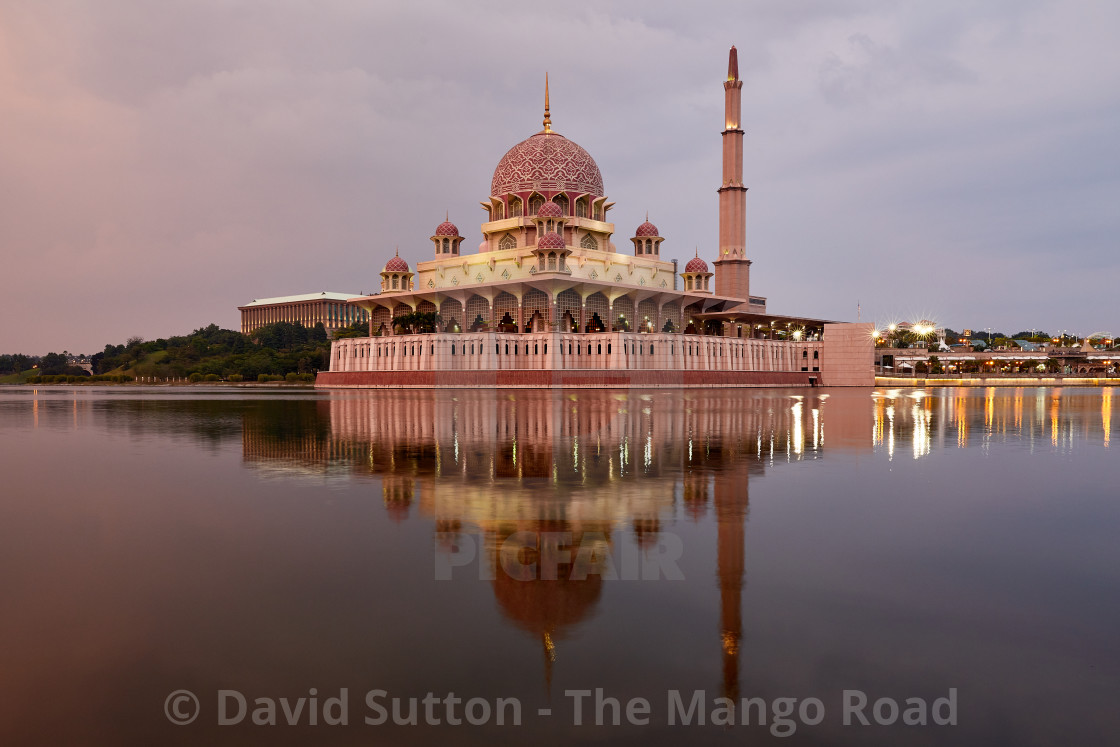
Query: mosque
point(548, 300)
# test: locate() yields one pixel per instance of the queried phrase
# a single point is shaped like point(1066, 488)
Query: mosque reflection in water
point(586, 468)
point(600, 468)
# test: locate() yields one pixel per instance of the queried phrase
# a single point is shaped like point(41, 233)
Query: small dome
point(647, 229)
point(396, 264)
point(696, 265)
point(551, 240)
point(447, 228)
point(550, 210)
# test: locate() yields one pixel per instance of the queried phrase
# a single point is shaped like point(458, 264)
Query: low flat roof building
point(308, 309)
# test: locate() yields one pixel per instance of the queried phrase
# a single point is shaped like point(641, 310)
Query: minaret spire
point(732, 268)
point(547, 116)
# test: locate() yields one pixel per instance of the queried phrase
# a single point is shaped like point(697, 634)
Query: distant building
point(307, 309)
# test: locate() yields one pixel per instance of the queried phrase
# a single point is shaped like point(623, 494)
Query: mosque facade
point(548, 300)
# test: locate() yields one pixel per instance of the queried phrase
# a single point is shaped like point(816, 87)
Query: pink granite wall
point(849, 355)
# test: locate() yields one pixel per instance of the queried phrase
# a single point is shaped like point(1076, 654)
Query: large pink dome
point(548, 162)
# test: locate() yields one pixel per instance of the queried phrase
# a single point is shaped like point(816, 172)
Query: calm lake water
point(764, 544)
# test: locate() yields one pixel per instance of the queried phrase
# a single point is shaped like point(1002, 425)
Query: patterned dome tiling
point(447, 228)
point(550, 210)
point(551, 240)
point(696, 265)
point(647, 229)
point(396, 264)
point(547, 161)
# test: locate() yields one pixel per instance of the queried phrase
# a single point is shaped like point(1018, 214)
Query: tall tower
point(731, 502)
point(733, 269)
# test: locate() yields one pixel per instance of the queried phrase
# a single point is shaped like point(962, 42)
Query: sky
point(163, 163)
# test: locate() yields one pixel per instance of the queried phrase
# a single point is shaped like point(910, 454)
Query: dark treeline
point(274, 350)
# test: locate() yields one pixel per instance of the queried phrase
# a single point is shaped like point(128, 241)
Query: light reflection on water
point(900, 541)
point(1026, 416)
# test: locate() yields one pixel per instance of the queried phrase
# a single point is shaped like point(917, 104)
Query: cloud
point(164, 164)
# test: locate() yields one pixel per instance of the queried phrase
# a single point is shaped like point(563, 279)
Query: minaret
point(731, 502)
point(732, 268)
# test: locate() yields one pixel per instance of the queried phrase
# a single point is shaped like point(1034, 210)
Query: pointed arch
point(534, 306)
point(477, 316)
point(568, 301)
point(622, 314)
point(596, 313)
point(451, 315)
point(536, 202)
point(581, 207)
point(505, 312)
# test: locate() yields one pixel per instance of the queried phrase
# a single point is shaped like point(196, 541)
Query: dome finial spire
point(547, 116)
point(733, 64)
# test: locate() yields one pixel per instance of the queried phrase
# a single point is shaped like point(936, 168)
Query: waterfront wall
point(604, 360)
point(850, 354)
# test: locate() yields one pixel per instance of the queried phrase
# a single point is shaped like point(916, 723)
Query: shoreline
point(170, 384)
point(1006, 381)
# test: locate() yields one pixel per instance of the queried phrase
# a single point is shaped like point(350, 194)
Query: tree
point(53, 364)
point(422, 322)
point(357, 329)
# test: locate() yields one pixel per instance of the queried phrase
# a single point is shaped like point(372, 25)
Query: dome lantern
point(447, 239)
point(552, 254)
point(396, 276)
point(647, 240)
point(696, 276)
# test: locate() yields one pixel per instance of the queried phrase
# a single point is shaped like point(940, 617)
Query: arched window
point(562, 201)
point(649, 247)
point(515, 207)
point(535, 204)
point(589, 242)
point(498, 212)
point(552, 260)
point(396, 282)
point(542, 262)
point(581, 207)
point(446, 246)
point(507, 242)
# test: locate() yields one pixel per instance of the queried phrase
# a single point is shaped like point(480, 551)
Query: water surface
point(742, 544)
